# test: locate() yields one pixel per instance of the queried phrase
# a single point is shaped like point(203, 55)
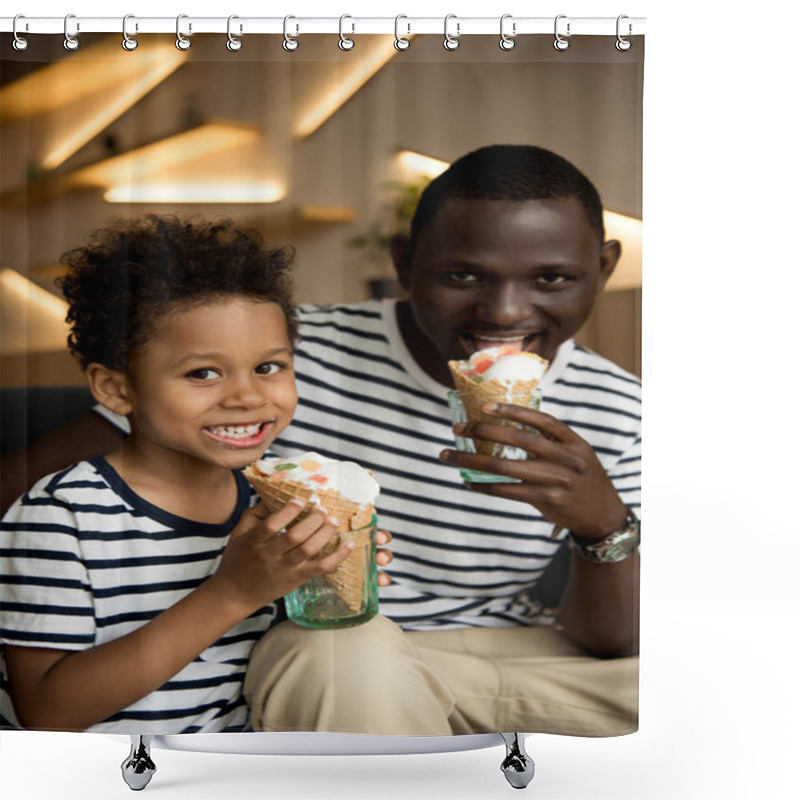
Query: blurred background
point(322, 149)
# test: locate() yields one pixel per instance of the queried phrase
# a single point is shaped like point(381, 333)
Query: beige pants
point(378, 679)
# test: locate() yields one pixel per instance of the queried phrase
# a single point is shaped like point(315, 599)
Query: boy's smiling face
point(486, 272)
point(214, 383)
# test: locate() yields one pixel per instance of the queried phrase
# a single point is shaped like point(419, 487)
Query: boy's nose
point(506, 304)
point(244, 393)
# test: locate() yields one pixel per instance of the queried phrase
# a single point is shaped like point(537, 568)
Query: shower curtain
point(325, 143)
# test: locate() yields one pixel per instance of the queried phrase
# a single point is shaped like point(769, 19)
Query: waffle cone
point(348, 578)
point(474, 395)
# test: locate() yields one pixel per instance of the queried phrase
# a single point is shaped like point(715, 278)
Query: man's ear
point(110, 388)
point(401, 257)
point(610, 253)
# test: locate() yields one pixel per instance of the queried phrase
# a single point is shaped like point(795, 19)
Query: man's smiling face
point(486, 272)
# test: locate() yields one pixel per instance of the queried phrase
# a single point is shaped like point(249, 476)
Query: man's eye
point(460, 276)
point(204, 374)
point(551, 278)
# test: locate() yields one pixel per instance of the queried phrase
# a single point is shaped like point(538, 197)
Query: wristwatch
point(615, 547)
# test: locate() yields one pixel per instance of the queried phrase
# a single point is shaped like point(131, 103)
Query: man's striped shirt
point(462, 559)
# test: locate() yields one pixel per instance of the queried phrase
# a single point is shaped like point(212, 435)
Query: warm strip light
point(87, 71)
point(114, 105)
point(628, 230)
point(25, 291)
point(196, 192)
point(162, 156)
point(418, 164)
point(345, 82)
point(31, 318)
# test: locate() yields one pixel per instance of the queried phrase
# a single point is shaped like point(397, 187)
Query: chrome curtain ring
point(507, 42)
point(451, 42)
point(623, 44)
point(181, 42)
point(20, 43)
point(233, 44)
point(290, 43)
point(129, 42)
point(71, 42)
point(400, 43)
point(345, 43)
point(560, 43)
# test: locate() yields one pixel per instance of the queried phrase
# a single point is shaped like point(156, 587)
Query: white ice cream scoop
point(518, 367)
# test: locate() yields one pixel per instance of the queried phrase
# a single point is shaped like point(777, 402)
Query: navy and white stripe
point(461, 559)
point(84, 561)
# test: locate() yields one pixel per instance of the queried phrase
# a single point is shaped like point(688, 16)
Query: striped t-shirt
point(462, 559)
point(84, 560)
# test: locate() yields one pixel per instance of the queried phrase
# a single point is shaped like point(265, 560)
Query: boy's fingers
point(250, 519)
point(329, 563)
point(276, 522)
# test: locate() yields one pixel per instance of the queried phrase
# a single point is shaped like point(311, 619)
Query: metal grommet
point(507, 42)
point(400, 43)
point(181, 42)
point(19, 43)
point(290, 43)
point(451, 42)
point(128, 42)
point(623, 44)
point(70, 42)
point(560, 43)
point(233, 44)
point(345, 43)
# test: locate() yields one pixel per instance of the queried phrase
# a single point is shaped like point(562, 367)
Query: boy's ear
point(610, 253)
point(110, 388)
point(401, 257)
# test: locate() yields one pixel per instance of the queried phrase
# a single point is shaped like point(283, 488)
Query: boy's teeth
point(236, 431)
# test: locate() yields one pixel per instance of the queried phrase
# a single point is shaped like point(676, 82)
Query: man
point(506, 246)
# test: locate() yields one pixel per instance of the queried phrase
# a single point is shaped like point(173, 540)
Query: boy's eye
point(269, 368)
point(204, 374)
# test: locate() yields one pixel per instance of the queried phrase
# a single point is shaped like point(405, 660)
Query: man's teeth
point(236, 431)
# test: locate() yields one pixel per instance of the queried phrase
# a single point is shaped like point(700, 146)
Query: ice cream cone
point(475, 395)
point(348, 578)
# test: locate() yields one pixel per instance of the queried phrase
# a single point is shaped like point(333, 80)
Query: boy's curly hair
point(133, 272)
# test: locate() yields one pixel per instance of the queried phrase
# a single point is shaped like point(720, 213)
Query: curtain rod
point(298, 25)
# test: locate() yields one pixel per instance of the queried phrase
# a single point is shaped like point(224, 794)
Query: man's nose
point(506, 304)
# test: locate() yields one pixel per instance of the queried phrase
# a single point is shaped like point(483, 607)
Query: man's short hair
point(509, 172)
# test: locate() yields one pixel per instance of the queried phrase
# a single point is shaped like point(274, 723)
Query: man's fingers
point(546, 424)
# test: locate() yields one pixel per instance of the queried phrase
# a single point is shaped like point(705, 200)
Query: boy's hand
point(563, 479)
point(260, 564)
point(384, 557)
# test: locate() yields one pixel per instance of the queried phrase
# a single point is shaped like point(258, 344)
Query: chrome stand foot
point(517, 766)
point(138, 768)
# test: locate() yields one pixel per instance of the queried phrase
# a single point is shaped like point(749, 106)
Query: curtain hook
point(234, 43)
point(560, 42)
point(290, 43)
point(129, 42)
point(345, 43)
point(70, 42)
point(400, 43)
point(20, 43)
point(507, 42)
point(451, 42)
point(182, 43)
point(623, 44)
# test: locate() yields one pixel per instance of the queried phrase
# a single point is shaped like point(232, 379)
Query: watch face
point(620, 550)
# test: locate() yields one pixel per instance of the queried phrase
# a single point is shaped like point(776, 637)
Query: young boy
point(136, 584)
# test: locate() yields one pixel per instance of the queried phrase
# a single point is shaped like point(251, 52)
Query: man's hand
point(563, 478)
